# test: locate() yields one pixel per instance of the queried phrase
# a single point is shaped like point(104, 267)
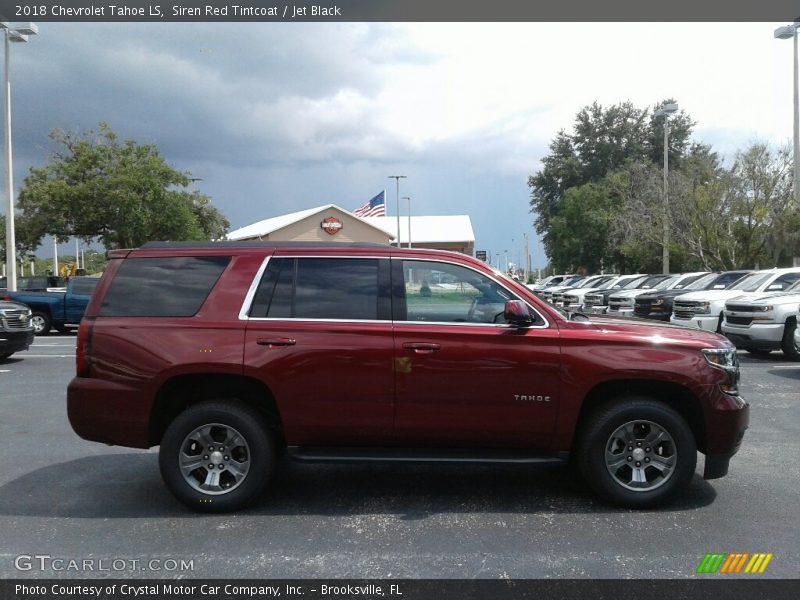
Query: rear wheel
point(41, 323)
point(637, 452)
point(789, 344)
point(217, 456)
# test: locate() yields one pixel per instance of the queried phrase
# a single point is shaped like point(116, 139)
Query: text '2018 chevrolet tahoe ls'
point(227, 354)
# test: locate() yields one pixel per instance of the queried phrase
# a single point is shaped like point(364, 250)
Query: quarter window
point(163, 286)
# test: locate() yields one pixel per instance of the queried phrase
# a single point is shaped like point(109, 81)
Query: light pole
point(397, 179)
point(409, 219)
point(784, 33)
point(11, 34)
point(665, 111)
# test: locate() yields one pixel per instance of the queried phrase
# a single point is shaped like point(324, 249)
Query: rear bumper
point(108, 412)
point(15, 341)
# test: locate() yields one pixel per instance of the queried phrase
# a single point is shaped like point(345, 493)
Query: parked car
point(764, 322)
point(547, 293)
point(227, 354)
point(61, 310)
point(590, 283)
point(543, 283)
point(572, 299)
point(658, 305)
point(16, 330)
point(622, 303)
point(705, 310)
point(596, 303)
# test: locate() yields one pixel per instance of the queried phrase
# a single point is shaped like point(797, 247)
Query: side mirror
point(517, 313)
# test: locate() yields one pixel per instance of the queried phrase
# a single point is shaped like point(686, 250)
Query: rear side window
point(324, 288)
point(85, 287)
point(163, 286)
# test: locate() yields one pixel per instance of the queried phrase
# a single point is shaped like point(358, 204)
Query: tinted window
point(85, 287)
point(783, 282)
point(445, 293)
point(162, 287)
point(323, 288)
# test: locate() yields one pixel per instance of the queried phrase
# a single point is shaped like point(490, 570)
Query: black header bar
point(400, 10)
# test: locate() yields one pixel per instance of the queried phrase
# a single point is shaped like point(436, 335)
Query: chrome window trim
point(251, 292)
point(244, 313)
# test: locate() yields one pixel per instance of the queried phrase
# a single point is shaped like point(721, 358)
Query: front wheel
point(217, 456)
point(41, 323)
point(789, 344)
point(637, 452)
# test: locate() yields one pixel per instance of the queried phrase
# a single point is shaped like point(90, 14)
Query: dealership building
point(330, 223)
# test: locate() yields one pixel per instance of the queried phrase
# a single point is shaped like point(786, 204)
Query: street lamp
point(397, 179)
point(11, 34)
point(409, 219)
point(665, 111)
point(784, 33)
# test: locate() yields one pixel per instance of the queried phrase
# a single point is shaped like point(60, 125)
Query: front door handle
point(422, 347)
point(276, 342)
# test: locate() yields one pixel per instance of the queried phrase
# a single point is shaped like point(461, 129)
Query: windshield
point(752, 282)
point(573, 280)
point(684, 284)
point(704, 282)
point(666, 283)
point(630, 284)
point(650, 282)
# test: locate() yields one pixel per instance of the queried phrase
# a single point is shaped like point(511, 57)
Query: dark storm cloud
point(254, 94)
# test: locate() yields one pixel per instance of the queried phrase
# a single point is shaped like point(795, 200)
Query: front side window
point(447, 293)
point(323, 288)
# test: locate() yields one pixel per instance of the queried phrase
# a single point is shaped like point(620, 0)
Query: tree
point(122, 193)
point(603, 141)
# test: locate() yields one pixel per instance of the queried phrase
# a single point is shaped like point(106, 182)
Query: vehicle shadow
point(129, 486)
point(787, 373)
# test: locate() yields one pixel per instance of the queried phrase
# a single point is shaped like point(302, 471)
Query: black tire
point(599, 435)
point(218, 414)
point(719, 324)
point(41, 323)
point(788, 345)
point(5, 355)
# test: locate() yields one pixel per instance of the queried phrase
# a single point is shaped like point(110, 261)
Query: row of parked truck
point(757, 310)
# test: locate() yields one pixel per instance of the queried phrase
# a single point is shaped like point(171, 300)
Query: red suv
point(229, 354)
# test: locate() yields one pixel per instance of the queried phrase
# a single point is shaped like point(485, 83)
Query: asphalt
point(69, 499)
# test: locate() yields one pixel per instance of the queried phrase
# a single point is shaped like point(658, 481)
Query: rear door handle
point(422, 347)
point(276, 342)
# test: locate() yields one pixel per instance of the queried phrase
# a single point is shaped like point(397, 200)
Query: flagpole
point(397, 179)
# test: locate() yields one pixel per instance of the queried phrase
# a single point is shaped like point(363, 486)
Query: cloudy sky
point(278, 117)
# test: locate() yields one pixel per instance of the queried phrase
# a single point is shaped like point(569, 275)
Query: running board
point(317, 454)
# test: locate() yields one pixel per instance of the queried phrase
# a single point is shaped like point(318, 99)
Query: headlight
point(657, 303)
point(703, 307)
point(725, 359)
point(765, 308)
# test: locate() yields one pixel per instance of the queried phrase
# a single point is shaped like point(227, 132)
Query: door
point(464, 377)
point(319, 335)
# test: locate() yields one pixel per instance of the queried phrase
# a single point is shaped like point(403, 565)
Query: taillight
point(82, 351)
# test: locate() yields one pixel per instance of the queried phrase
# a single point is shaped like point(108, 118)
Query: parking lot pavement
point(67, 498)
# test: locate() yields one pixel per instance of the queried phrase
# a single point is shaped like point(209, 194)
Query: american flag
point(374, 208)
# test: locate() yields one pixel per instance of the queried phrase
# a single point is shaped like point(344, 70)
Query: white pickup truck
point(705, 309)
point(765, 322)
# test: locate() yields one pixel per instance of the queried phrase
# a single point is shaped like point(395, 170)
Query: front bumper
point(15, 341)
point(708, 322)
point(762, 335)
point(595, 310)
point(727, 419)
